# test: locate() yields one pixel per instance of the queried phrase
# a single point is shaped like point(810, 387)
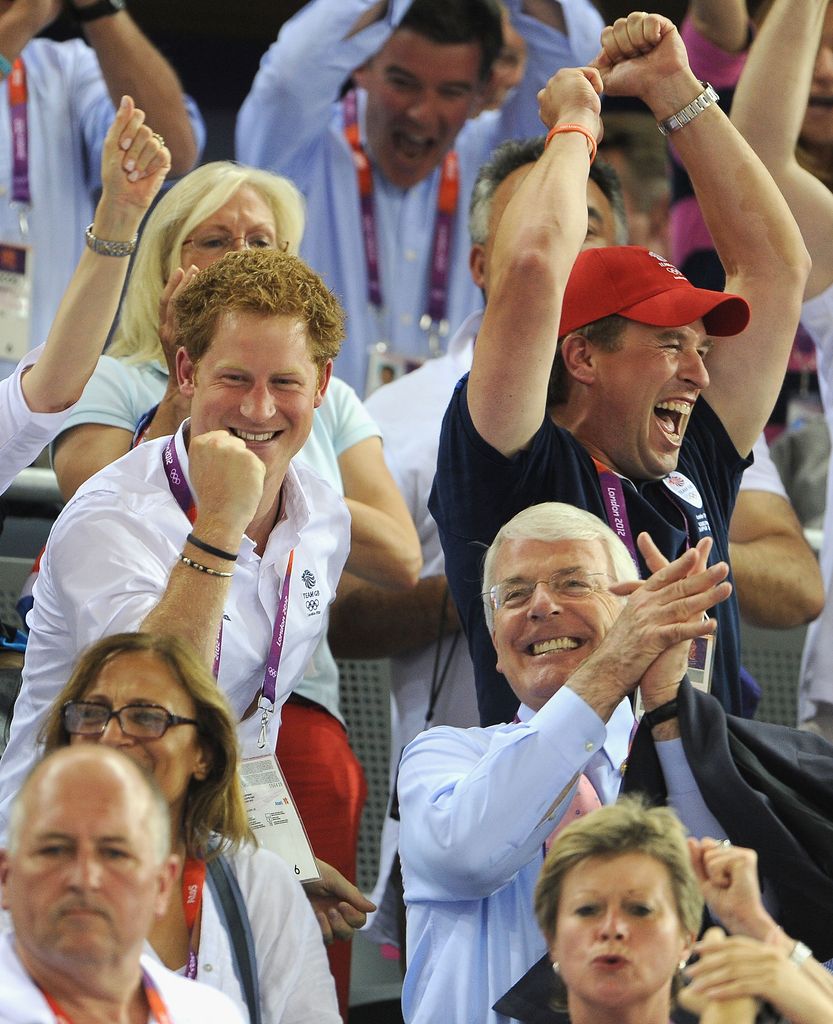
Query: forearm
point(287, 105)
point(131, 65)
point(382, 550)
point(723, 22)
point(17, 26)
point(768, 110)
point(373, 622)
point(191, 607)
point(778, 582)
point(87, 310)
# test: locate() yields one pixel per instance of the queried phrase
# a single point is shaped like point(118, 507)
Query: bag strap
point(232, 907)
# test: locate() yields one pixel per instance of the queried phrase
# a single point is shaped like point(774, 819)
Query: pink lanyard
point(268, 691)
point(435, 319)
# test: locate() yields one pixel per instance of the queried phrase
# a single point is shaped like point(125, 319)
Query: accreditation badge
point(15, 300)
point(273, 816)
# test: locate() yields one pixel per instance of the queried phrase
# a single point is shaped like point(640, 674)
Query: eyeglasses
point(141, 721)
point(568, 584)
point(220, 242)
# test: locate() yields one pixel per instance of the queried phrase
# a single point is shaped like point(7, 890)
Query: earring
point(681, 966)
point(556, 967)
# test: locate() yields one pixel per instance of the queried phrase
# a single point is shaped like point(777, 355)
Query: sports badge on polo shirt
point(683, 490)
point(311, 594)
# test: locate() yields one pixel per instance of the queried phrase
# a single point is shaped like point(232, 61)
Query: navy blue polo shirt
point(476, 490)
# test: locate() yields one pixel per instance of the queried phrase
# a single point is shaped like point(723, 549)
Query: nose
point(258, 405)
point(693, 369)
point(823, 68)
point(422, 110)
point(86, 871)
point(543, 601)
point(612, 924)
point(113, 735)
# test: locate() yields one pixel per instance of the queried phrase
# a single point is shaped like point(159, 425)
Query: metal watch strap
point(691, 110)
point(102, 9)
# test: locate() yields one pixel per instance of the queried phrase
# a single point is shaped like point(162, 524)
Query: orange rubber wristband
point(563, 128)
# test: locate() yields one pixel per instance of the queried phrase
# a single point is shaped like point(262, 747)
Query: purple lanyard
point(18, 97)
point(447, 197)
point(268, 691)
point(613, 499)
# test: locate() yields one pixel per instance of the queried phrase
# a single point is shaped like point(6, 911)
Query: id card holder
point(273, 816)
point(15, 300)
point(385, 366)
point(700, 664)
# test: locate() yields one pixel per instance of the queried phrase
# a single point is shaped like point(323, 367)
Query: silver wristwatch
point(679, 120)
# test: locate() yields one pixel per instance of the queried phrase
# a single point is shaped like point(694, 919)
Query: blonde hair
point(214, 805)
point(190, 202)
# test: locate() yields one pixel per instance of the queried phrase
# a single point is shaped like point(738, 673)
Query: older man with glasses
point(575, 634)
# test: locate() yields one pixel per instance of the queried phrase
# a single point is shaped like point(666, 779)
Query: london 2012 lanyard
point(18, 102)
point(193, 880)
point(268, 691)
point(435, 319)
point(152, 994)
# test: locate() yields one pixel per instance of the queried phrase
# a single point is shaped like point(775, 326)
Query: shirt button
point(410, 255)
point(589, 745)
point(207, 968)
point(406, 319)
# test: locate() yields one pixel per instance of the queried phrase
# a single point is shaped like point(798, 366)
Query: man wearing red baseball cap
point(588, 369)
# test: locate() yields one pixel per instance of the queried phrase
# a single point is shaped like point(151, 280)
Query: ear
point(323, 383)
point(186, 373)
point(579, 357)
point(477, 265)
point(166, 882)
point(4, 876)
point(361, 72)
point(202, 764)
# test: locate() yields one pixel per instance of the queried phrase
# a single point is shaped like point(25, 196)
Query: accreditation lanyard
point(268, 691)
point(193, 879)
point(435, 318)
point(616, 510)
point(18, 103)
point(152, 994)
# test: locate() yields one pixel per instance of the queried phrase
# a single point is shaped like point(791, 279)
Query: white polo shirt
point(107, 564)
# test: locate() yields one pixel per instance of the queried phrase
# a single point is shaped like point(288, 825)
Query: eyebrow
point(455, 83)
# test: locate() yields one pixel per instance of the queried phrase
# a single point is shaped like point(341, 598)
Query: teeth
point(561, 643)
point(243, 435)
point(681, 407)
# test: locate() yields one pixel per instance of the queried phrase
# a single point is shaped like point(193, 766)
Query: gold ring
point(158, 138)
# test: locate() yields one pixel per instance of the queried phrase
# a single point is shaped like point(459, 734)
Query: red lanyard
point(447, 197)
point(152, 994)
point(193, 879)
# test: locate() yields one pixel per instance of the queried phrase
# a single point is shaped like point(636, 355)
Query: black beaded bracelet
point(664, 713)
point(209, 549)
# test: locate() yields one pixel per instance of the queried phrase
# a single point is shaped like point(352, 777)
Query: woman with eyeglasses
point(152, 698)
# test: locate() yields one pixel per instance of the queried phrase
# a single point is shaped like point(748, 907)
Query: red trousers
point(329, 788)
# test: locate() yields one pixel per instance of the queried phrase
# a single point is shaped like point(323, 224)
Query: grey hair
point(511, 155)
point(554, 521)
point(158, 819)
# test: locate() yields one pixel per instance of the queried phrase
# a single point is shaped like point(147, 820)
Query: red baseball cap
point(643, 286)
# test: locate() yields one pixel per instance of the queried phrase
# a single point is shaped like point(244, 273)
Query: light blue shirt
point(476, 807)
point(291, 122)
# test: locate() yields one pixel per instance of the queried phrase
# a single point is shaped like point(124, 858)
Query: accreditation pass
point(273, 816)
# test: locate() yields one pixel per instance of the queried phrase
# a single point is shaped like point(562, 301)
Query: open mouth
point(561, 643)
point(412, 145)
point(610, 961)
point(820, 101)
point(673, 417)
point(253, 438)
